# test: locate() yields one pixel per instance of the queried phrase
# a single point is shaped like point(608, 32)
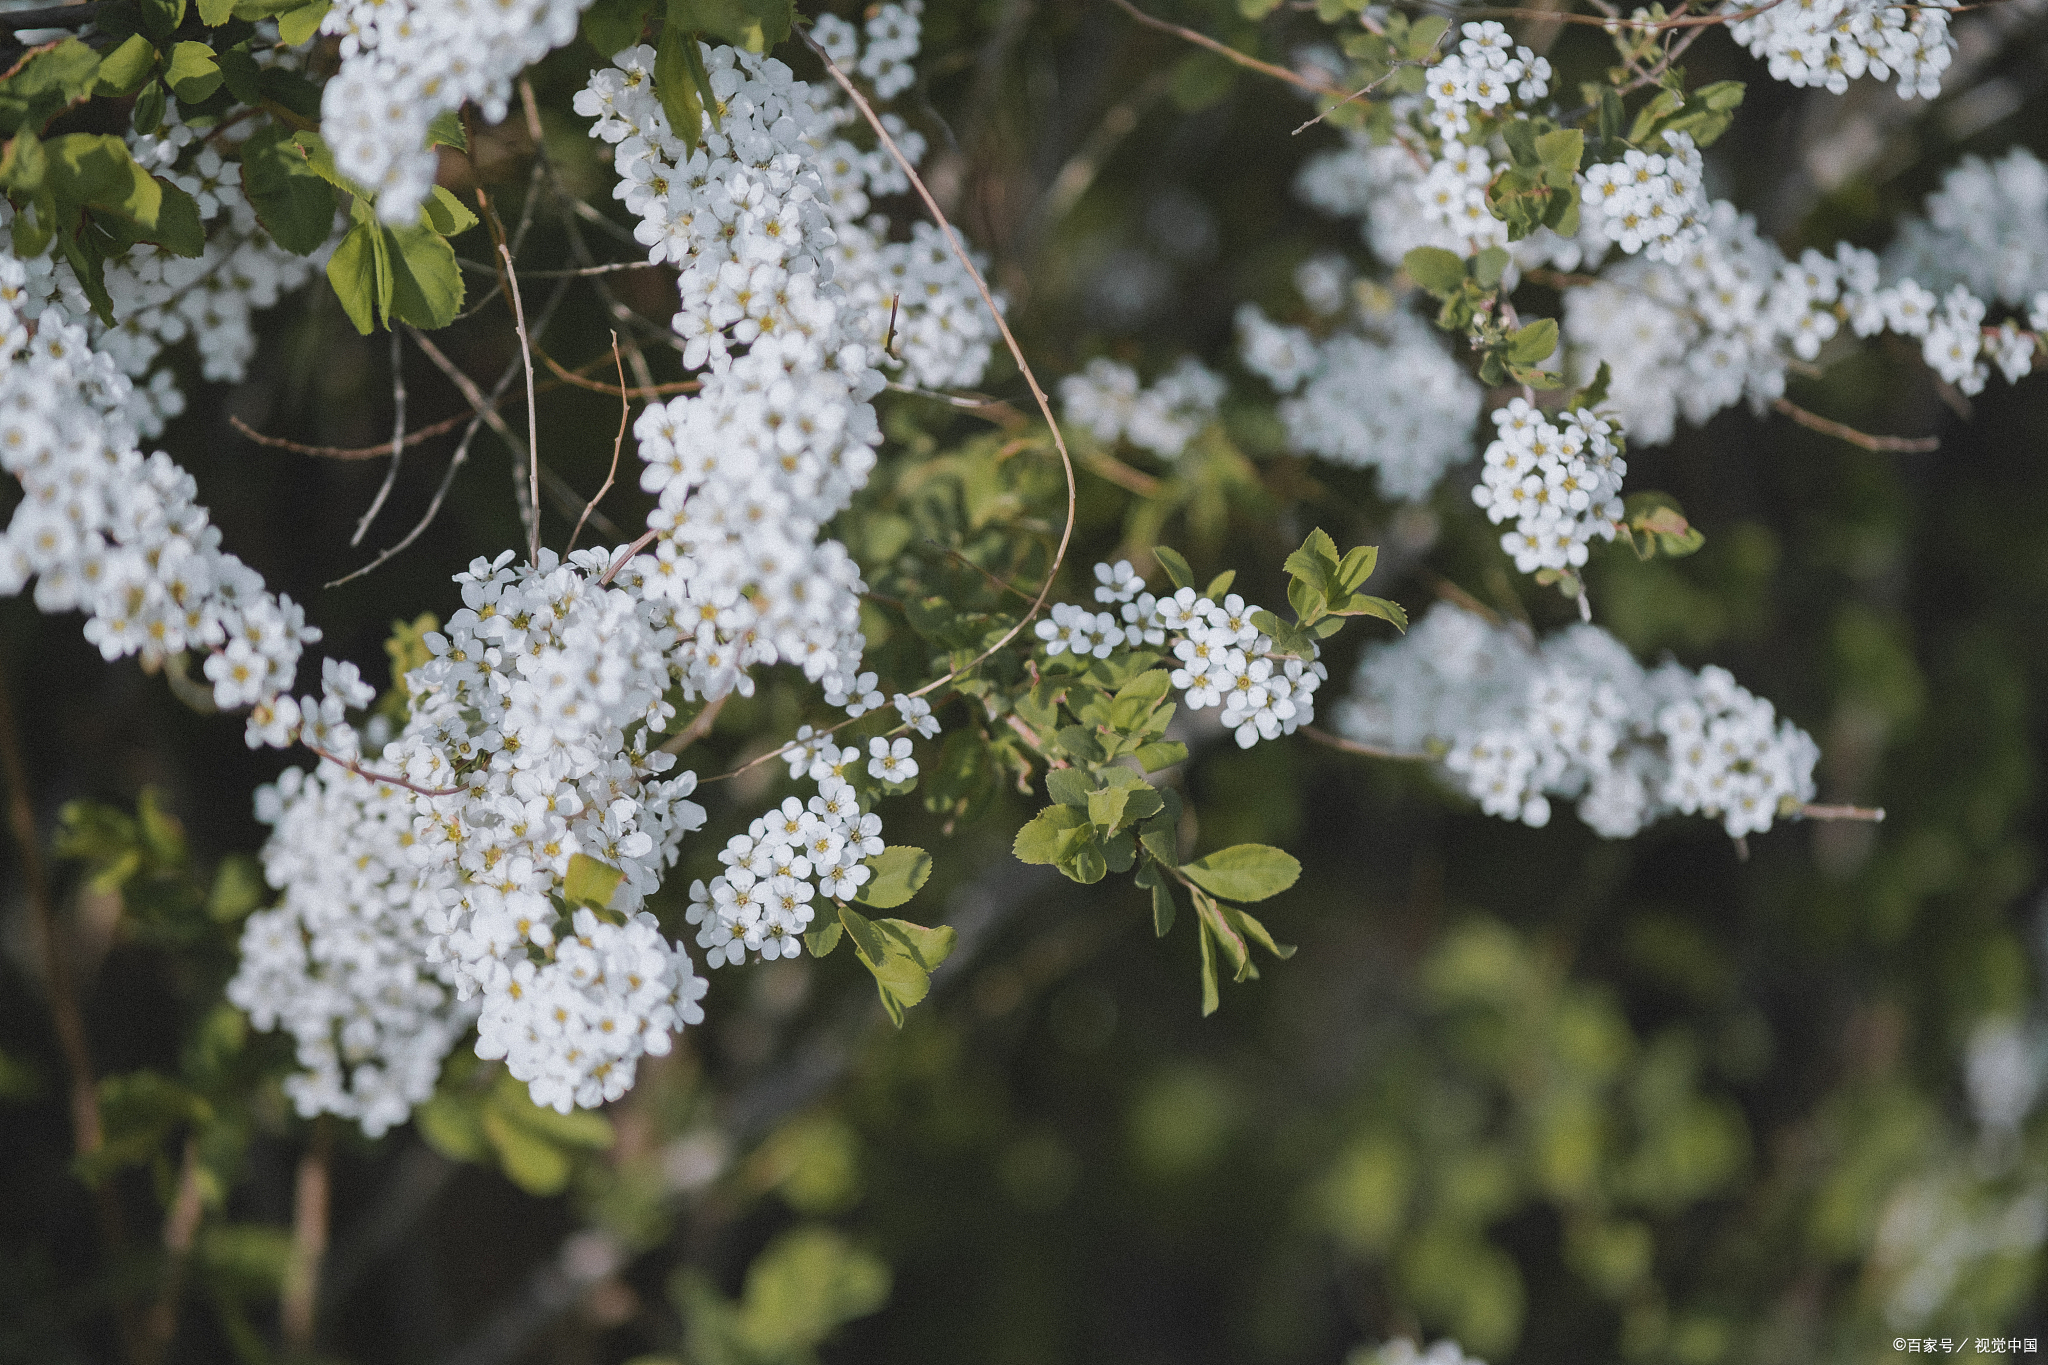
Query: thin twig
point(575, 273)
point(1873, 814)
point(397, 437)
point(699, 726)
point(1352, 746)
point(1059, 441)
point(181, 1229)
point(625, 412)
point(532, 426)
point(625, 556)
point(1592, 21)
point(299, 1296)
point(995, 582)
point(1813, 421)
point(1122, 475)
point(360, 771)
point(1227, 52)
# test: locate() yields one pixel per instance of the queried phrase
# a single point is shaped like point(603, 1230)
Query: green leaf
point(590, 882)
point(577, 1128)
point(179, 229)
point(1244, 872)
point(296, 27)
point(122, 71)
point(1533, 343)
point(1489, 265)
point(1106, 808)
point(446, 130)
point(755, 25)
point(528, 1160)
point(1595, 393)
point(1211, 997)
point(240, 73)
point(612, 26)
point(1052, 835)
point(1560, 151)
point(676, 83)
point(238, 888)
point(191, 72)
point(161, 17)
point(1316, 561)
point(426, 282)
point(1219, 585)
point(353, 272)
point(899, 872)
point(1357, 566)
point(799, 1291)
point(1069, 787)
point(1424, 34)
point(822, 940)
point(150, 106)
point(1359, 604)
point(1161, 754)
point(1176, 568)
point(292, 202)
point(1079, 741)
point(900, 955)
point(1440, 272)
point(1163, 909)
point(214, 13)
point(452, 1124)
point(1255, 931)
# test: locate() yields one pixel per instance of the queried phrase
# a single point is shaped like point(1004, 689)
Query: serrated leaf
point(820, 941)
point(1069, 787)
point(354, 272)
point(899, 872)
point(1161, 754)
point(1357, 566)
point(446, 130)
point(427, 284)
point(1439, 272)
point(1244, 872)
point(295, 27)
point(178, 228)
point(1360, 604)
point(1106, 808)
point(1489, 265)
point(590, 881)
point(191, 72)
point(1533, 343)
point(1080, 741)
point(446, 214)
point(122, 71)
point(900, 955)
point(1176, 567)
point(1052, 835)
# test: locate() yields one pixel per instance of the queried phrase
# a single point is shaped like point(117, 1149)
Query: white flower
point(891, 763)
point(917, 714)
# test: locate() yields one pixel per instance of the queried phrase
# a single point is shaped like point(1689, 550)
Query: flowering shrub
point(491, 894)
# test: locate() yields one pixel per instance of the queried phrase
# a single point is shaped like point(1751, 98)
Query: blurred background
point(1566, 1100)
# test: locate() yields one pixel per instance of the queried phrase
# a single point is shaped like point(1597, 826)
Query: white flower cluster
point(1829, 43)
point(1387, 396)
point(1986, 227)
point(1107, 400)
point(757, 213)
point(538, 705)
point(1221, 659)
point(793, 857)
point(1486, 72)
point(1560, 484)
point(893, 37)
point(160, 299)
point(1402, 1351)
point(405, 63)
point(1692, 336)
point(1649, 202)
point(1517, 723)
point(342, 962)
point(111, 532)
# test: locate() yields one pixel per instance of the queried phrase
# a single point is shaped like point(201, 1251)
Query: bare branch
point(1203, 40)
point(1872, 814)
point(1813, 421)
point(397, 437)
point(625, 413)
point(360, 771)
point(299, 1296)
point(532, 425)
point(1352, 746)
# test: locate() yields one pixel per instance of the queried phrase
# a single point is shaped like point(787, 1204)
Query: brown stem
point(699, 726)
point(181, 1229)
point(360, 771)
point(299, 1296)
point(1227, 52)
point(1352, 746)
point(625, 414)
point(1812, 421)
point(1872, 814)
point(532, 425)
point(1122, 475)
point(646, 539)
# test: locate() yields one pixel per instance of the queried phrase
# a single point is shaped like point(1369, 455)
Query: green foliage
point(808, 1283)
point(902, 956)
point(590, 881)
point(481, 1114)
point(899, 873)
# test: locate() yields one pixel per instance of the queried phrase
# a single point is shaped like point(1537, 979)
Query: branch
point(397, 437)
point(360, 771)
point(53, 16)
point(625, 413)
point(1907, 445)
point(532, 425)
point(1223, 50)
point(1872, 814)
point(299, 1296)
point(579, 272)
point(699, 726)
point(625, 556)
point(181, 1228)
point(1352, 746)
